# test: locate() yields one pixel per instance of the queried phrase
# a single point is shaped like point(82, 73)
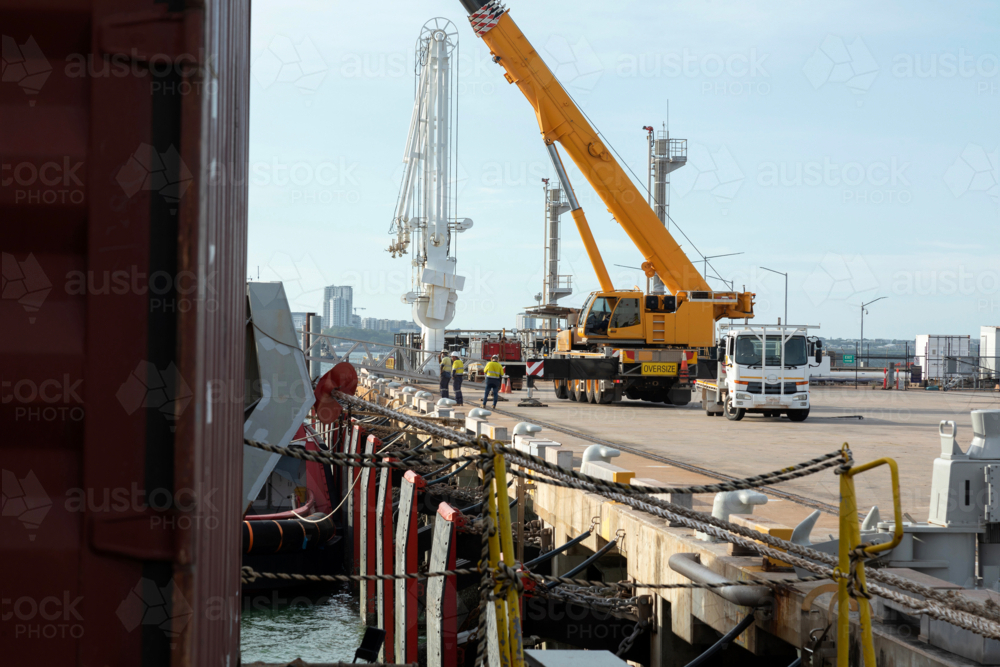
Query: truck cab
point(762, 370)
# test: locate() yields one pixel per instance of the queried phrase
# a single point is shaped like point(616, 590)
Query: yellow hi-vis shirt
point(458, 368)
point(493, 369)
point(446, 365)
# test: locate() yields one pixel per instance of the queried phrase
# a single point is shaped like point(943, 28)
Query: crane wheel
point(561, 389)
point(733, 414)
point(592, 392)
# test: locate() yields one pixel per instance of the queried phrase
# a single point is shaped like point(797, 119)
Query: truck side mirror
point(819, 356)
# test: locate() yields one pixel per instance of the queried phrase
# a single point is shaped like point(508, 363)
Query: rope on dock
point(501, 576)
point(804, 469)
point(948, 607)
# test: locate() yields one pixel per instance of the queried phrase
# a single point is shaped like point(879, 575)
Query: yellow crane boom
point(560, 120)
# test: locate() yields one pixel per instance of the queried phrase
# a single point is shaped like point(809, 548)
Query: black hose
point(724, 642)
point(449, 475)
point(797, 663)
point(582, 566)
point(555, 552)
point(471, 509)
point(420, 446)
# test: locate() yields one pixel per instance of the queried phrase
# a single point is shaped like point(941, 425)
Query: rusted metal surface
point(122, 344)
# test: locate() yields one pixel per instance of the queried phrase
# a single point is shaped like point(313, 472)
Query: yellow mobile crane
point(625, 342)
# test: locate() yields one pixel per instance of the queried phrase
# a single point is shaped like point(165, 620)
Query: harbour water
point(324, 628)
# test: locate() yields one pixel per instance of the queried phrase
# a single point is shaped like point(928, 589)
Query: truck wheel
point(678, 396)
point(571, 390)
point(733, 414)
point(580, 388)
point(591, 388)
point(560, 388)
point(606, 396)
point(798, 415)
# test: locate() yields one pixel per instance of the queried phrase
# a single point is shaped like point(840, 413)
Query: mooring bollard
point(442, 592)
point(384, 564)
point(368, 600)
point(407, 590)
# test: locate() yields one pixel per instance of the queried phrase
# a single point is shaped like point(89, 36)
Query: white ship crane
point(424, 224)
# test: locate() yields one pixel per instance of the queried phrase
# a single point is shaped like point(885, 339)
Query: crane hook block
point(648, 269)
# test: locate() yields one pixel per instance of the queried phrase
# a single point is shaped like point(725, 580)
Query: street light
point(861, 348)
point(781, 273)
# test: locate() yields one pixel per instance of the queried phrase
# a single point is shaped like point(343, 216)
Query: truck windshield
point(748, 351)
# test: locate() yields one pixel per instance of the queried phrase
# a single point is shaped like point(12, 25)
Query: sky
point(851, 145)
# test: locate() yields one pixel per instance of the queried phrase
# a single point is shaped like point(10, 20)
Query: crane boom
point(560, 120)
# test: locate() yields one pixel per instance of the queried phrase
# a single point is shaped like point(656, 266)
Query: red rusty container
point(123, 195)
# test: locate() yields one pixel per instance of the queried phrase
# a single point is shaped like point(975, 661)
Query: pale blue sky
point(853, 145)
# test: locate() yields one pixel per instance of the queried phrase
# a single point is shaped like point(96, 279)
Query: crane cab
point(631, 317)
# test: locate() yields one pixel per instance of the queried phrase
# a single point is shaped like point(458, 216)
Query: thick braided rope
point(951, 609)
point(803, 469)
point(355, 460)
point(503, 576)
point(973, 610)
point(542, 579)
point(948, 599)
point(831, 459)
point(248, 575)
point(642, 490)
point(416, 422)
point(485, 583)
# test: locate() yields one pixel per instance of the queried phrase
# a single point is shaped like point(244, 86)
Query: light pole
point(861, 347)
point(781, 273)
point(705, 258)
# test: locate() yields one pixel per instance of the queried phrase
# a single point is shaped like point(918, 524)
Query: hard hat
point(454, 354)
point(496, 357)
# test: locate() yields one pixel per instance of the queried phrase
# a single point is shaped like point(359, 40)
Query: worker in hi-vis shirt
point(446, 364)
point(494, 373)
point(457, 375)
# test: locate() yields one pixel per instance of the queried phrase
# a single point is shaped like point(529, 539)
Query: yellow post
point(507, 543)
point(503, 633)
point(850, 538)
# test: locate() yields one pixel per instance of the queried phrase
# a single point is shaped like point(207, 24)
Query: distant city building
point(383, 324)
point(356, 321)
point(338, 306)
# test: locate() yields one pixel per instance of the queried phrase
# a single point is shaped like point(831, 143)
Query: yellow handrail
point(503, 633)
point(850, 540)
point(507, 543)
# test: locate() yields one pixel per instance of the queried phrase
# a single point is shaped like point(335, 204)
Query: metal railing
point(412, 360)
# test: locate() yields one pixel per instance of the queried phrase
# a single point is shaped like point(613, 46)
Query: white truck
point(762, 369)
